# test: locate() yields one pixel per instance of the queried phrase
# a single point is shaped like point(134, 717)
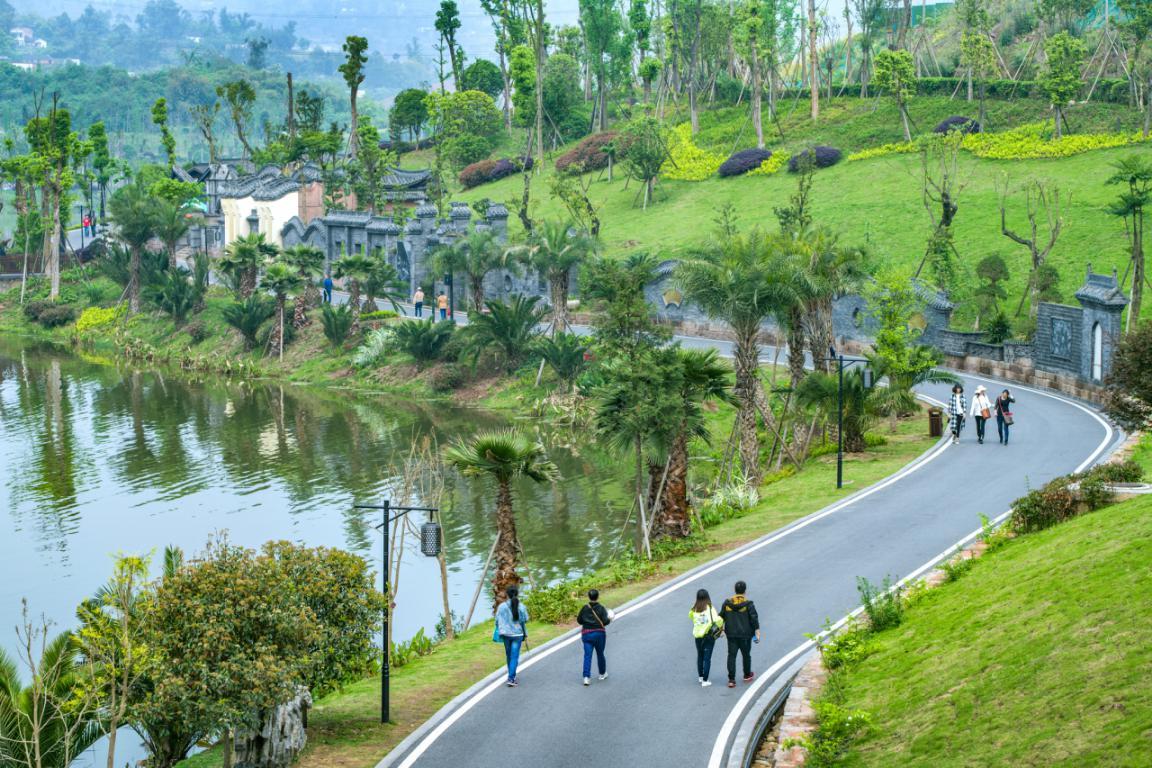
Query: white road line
point(734, 717)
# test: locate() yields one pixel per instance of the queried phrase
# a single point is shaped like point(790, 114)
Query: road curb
point(758, 713)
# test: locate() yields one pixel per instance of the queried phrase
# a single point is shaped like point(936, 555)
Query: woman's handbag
point(1008, 418)
point(716, 631)
point(985, 413)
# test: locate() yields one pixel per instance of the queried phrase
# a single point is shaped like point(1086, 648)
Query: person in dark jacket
point(594, 620)
point(741, 624)
point(1004, 417)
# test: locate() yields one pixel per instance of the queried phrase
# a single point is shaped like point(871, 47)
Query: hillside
point(1038, 656)
point(874, 202)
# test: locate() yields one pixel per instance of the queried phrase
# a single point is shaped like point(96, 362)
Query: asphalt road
point(651, 710)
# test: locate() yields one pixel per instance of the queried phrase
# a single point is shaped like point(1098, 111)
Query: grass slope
point(1039, 656)
point(875, 202)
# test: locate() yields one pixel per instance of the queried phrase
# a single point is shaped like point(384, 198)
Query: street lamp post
point(841, 364)
point(430, 539)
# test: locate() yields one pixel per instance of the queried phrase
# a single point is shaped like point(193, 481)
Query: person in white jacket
point(981, 411)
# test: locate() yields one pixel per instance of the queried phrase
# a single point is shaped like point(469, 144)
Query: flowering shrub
point(1035, 140)
point(743, 161)
point(97, 317)
point(822, 156)
point(686, 161)
point(957, 123)
point(770, 166)
point(588, 155)
point(898, 148)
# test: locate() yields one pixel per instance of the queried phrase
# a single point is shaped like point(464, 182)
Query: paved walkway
point(651, 711)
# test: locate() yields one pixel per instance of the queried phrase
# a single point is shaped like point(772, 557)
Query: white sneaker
point(705, 683)
point(587, 681)
point(603, 676)
point(699, 679)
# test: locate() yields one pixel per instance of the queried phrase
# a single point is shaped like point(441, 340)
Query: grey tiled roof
point(274, 189)
point(1101, 289)
point(932, 297)
point(347, 217)
point(497, 211)
point(426, 210)
point(386, 226)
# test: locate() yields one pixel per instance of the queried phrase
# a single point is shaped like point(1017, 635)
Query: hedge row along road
point(651, 710)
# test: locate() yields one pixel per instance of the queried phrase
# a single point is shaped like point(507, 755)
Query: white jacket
point(979, 403)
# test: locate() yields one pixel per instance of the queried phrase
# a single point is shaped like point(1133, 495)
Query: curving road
point(651, 710)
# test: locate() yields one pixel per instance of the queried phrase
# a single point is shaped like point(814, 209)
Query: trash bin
point(935, 422)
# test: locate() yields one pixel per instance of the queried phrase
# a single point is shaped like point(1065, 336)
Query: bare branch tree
point(1042, 209)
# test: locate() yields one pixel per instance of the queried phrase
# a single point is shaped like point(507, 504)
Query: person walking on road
point(741, 625)
point(706, 627)
point(1004, 418)
point(981, 411)
point(418, 301)
point(956, 407)
point(442, 305)
point(594, 620)
point(327, 289)
point(511, 617)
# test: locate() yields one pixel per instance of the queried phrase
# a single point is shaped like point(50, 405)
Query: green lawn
point(344, 729)
point(876, 203)
point(1039, 656)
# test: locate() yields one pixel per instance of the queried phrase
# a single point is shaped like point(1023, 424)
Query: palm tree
point(355, 268)
point(510, 329)
point(833, 271)
point(44, 725)
point(567, 355)
point(134, 216)
point(917, 367)
point(820, 391)
point(281, 279)
point(308, 261)
point(503, 455)
point(172, 223)
point(744, 281)
point(243, 258)
point(704, 378)
point(475, 256)
point(554, 248)
point(383, 282)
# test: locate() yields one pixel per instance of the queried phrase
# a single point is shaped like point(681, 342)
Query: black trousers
point(980, 420)
point(743, 645)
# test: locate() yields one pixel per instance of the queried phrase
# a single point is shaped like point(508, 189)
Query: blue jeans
point(704, 646)
point(443, 314)
point(594, 641)
point(512, 653)
point(1002, 428)
point(419, 309)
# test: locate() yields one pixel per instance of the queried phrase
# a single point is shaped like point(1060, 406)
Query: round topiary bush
point(820, 156)
point(588, 155)
point(957, 123)
point(56, 315)
point(477, 173)
point(743, 161)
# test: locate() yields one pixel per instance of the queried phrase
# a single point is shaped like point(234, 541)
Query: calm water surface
point(101, 458)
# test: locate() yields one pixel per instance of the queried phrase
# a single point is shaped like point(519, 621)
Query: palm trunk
point(354, 302)
point(795, 335)
point(672, 519)
point(507, 546)
point(247, 282)
point(134, 281)
point(171, 255)
point(299, 312)
point(558, 282)
point(477, 287)
point(747, 364)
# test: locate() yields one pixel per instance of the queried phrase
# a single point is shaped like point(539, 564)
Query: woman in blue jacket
point(511, 617)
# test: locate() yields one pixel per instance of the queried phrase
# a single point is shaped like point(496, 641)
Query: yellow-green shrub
point(686, 161)
point(1034, 141)
point(772, 165)
point(897, 148)
point(98, 317)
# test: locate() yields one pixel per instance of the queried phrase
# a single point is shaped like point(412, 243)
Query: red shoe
point(731, 683)
point(749, 678)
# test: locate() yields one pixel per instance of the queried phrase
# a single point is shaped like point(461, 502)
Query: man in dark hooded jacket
point(741, 624)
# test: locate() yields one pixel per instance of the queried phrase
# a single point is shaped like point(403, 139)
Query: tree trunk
point(813, 63)
point(757, 89)
point(276, 342)
point(507, 93)
point(1058, 132)
point(353, 134)
point(52, 243)
point(477, 290)
point(299, 312)
point(558, 282)
point(539, 46)
point(795, 334)
point(672, 519)
point(983, 119)
point(1138, 277)
point(171, 246)
point(354, 302)
point(507, 546)
point(1148, 108)
point(904, 121)
point(247, 282)
point(747, 365)
point(134, 282)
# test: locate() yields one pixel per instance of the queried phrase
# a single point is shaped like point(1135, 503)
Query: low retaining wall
point(1022, 371)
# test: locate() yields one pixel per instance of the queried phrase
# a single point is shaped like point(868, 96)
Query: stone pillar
point(1103, 306)
point(497, 217)
point(459, 217)
point(253, 222)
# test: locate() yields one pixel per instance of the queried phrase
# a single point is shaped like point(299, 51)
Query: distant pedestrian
point(328, 289)
point(418, 300)
point(442, 305)
point(511, 617)
point(706, 627)
point(741, 626)
point(594, 620)
point(86, 225)
point(956, 407)
point(981, 411)
point(1004, 418)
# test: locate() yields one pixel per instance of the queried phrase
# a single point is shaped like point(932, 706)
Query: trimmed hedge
point(822, 157)
point(957, 123)
point(743, 161)
point(486, 171)
point(588, 155)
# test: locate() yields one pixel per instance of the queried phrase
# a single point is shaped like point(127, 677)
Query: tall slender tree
point(134, 216)
point(446, 25)
point(352, 70)
point(554, 249)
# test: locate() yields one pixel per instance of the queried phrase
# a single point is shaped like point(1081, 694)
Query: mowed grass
point(1040, 656)
point(344, 729)
point(874, 203)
